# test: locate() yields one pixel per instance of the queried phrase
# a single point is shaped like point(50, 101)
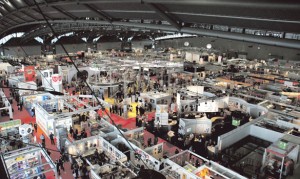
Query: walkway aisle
point(25, 117)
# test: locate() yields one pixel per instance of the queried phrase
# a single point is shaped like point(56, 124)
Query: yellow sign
point(19, 158)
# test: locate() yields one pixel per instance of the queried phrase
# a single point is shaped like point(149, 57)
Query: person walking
point(57, 167)
point(71, 130)
point(21, 105)
point(61, 163)
point(42, 137)
point(35, 127)
point(52, 138)
point(155, 140)
point(33, 112)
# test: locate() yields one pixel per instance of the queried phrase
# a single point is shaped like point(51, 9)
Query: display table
point(172, 123)
point(189, 167)
point(170, 135)
point(211, 149)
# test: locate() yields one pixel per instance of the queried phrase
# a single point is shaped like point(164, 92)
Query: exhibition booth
point(6, 108)
point(156, 98)
point(280, 158)
point(104, 129)
point(27, 163)
point(190, 165)
point(156, 151)
point(62, 112)
point(86, 147)
point(30, 85)
point(137, 155)
point(30, 100)
point(15, 79)
point(100, 157)
point(9, 129)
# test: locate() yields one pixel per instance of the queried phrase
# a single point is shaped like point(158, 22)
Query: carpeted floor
point(125, 123)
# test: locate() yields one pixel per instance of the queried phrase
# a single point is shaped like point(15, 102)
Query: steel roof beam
point(29, 15)
point(64, 12)
point(159, 10)
point(31, 6)
point(17, 16)
point(217, 34)
point(12, 2)
point(100, 13)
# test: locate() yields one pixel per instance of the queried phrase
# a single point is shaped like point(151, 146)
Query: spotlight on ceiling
point(186, 44)
point(208, 46)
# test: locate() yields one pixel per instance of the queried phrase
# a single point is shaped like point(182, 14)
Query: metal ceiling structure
point(246, 20)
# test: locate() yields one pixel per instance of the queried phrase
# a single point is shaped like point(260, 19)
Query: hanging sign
point(56, 79)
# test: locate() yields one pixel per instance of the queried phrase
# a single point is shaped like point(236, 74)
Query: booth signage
point(56, 79)
point(29, 73)
point(236, 122)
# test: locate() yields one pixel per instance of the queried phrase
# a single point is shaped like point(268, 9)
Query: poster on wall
point(29, 73)
point(188, 56)
point(201, 126)
point(208, 106)
point(161, 108)
point(181, 127)
point(196, 89)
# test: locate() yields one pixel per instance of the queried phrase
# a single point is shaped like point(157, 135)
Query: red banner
point(29, 73)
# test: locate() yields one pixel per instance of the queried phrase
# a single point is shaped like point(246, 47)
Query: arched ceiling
point(201, 17)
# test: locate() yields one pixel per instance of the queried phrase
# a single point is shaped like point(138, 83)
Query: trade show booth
point(156, 98)
point(30, 100)
point(280, 158)
point(9, 129)
point(6, 108)
point(27, 163)
point(138, 154)
point(87, 147)
point(61, 112)
point(101, 157)
point(190, 165)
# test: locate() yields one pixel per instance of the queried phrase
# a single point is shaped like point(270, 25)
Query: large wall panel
point(255, 51)
point(21, 52)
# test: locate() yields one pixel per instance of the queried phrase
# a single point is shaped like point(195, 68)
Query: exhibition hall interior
point(149, 89)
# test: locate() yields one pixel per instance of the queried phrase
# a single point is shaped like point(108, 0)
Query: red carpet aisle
point(129, 124)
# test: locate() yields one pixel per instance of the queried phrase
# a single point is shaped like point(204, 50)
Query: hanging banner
point(29, 73)
point(56, 79)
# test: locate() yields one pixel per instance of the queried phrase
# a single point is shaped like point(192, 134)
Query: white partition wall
point(265, 134)
point(233, 136)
